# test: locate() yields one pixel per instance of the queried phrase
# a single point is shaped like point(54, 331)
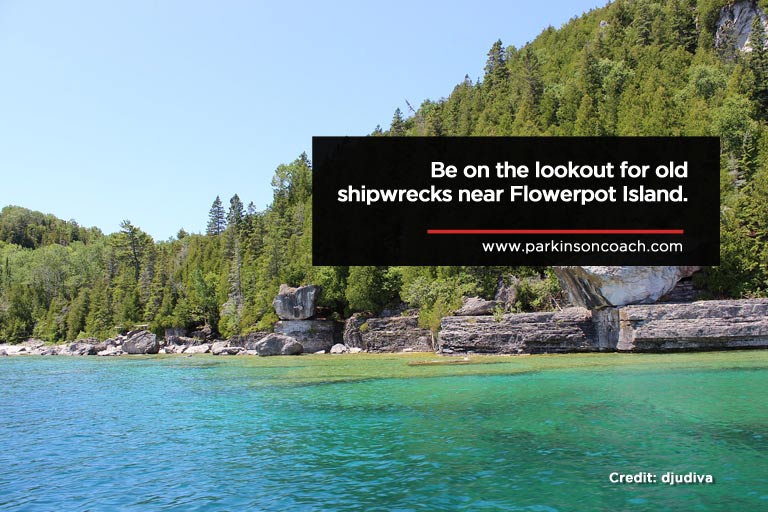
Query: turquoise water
point(361, 432)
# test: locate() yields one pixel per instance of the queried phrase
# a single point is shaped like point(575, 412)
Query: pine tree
point(397, 128)
point(235, 215)
point(216, 220)
point(495, 67)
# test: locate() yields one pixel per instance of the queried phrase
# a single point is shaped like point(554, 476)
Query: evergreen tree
point(235, 215)
point(397, 128)
point(216, 219)
point(496, 72)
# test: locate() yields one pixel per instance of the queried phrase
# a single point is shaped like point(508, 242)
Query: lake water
point(363, 432)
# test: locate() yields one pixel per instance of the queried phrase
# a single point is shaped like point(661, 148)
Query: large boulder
point(476, 306)
point(295, 303)
point(278, 345)
point(601, 287)
point(82, 348)
point(141, 342)
point(314, 335)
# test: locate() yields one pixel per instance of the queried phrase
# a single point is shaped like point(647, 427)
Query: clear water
point(371, 433)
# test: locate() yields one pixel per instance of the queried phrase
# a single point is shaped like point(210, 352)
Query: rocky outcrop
point(295, 303)
point(222, 348)
point(569, 330)
point(734, 24)
point(203, 348)
point(278, 345)
point(705, 325)
point(141, 342)
point(392, 334)
point(82, 348)
point(110, 350)
point(601, 287)
point(314, 335)
point(247, 341)
point(475, 306)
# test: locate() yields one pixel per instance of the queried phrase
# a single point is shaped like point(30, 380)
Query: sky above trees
point(149, 110)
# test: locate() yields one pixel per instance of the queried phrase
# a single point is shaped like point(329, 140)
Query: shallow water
point(362, 432)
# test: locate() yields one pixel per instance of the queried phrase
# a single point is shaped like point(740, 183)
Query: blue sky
point(146, 110)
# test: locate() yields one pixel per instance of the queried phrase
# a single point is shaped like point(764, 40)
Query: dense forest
point(634, 67)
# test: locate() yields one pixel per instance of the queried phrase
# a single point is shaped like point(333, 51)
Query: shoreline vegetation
point(640, 68)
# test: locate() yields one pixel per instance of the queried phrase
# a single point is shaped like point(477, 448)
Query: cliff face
point(705, 325)
point(735, 24)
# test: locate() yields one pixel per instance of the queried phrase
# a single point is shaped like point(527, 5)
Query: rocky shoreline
point(618, 321)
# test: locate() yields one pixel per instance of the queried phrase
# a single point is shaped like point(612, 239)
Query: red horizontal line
point(555, 232)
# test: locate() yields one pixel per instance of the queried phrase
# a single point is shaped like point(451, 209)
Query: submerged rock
point(295, 303)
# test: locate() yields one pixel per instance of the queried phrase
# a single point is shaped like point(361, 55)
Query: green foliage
point(216, 219)
point(538, 294)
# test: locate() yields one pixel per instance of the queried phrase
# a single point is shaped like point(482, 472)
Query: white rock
point(339, 349)
point(600, 287)
point(198, 349)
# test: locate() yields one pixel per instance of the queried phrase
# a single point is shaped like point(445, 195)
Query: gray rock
point(391, 334)
point(247, 341)
point(278, 344)
point(35, 343)
point(313, 335)
point(734, 24)
point(475, 306)
point(295, 303)
point(339, 349)
point(705, 325)
point(506, 294)
point(203, 348)
point(352, 335)
point(600, 287)
point(175, 349)
point(222, 348)
point(111, 350)
point(141, 342)
point(355, 350)
point(203, 334)
point(569, 330)
point(81, 348)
